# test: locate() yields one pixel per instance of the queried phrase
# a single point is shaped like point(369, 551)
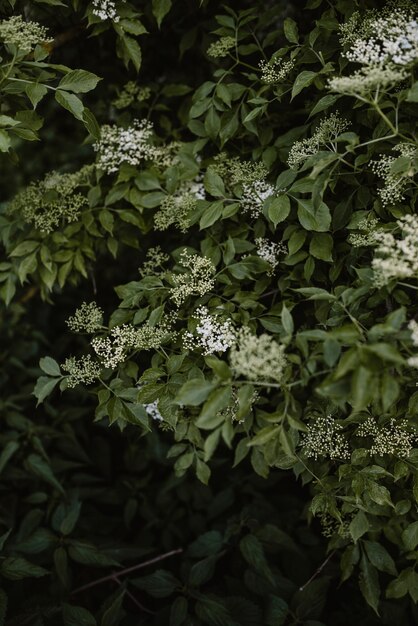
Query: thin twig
point(128, 570)
point(318, 571)
point(132, 598)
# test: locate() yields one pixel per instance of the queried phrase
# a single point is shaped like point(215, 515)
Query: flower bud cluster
point(197, 281)
point(325, 135)
point(53, 200)
point(88, 318)
point(276, 70)
point(257, 358)
point(220, 48)
point(82, 370)
point(177, 208)
point(15, 31)
point(324, 439)
point(394, 438)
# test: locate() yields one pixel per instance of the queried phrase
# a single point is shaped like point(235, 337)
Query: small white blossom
point(323, 438)
point(113, 349)
point(394, 438)
point(105, 10)
point(395, 184)
point(257, 358)
point(397, 257)
point(125, 145)
point(211, 335)
point(270, 251)
point(153, 411)
point(254, 195)
point(177, 208)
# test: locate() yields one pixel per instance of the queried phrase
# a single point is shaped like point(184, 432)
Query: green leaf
point(253, 552)
point(202, 471)
point(131, 51)
point(210, 416)
point(39, 467)
point(194, 392)
point(303, 80)
point(16, 568)
point(211, 215)
point(279, 209)
point(78, 81)
point(290, 30)
point(88, 554)
point(5, 142)
point(380, 557)
point(8, 451)
point(178, 611)
point(410, 536)
point(318, 219)
point(369, 584)
point(44, 387)
point(359, 525)
point(160, 584)
point(321, 246)
point(77, 615)
point(49, 366)
point(70, 102)
point(160, 8)
point(35, 93)
point(412, 95)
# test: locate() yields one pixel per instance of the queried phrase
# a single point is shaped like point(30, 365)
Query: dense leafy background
point(260, 532)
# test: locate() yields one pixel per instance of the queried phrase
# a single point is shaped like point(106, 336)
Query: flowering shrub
point(231, 258)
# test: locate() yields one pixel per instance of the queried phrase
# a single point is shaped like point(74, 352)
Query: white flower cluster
point(395, 184)
point(270, 251)
point(392, 40)
point(254, 195)
point(326, 133)
point(384, 44)
point(324, 438)
point(369, 235)
point(49, 202)
point(276, 70)
point(82, 370)
point(257, 358)
point(88, 318)
point(211, 335)
point(197, 281)
point(413, 327)
point(221, 48)
point(394, 438)
point(397, 258)
point(233, 171)
point(154, 263)
point(130, 93)
point(153, 411)
point(177, 207)
point(106, 10)
point(24, 35)
point(113, 349)
point(125, 145)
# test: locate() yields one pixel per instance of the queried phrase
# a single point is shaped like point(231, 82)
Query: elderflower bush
point(265, 244)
